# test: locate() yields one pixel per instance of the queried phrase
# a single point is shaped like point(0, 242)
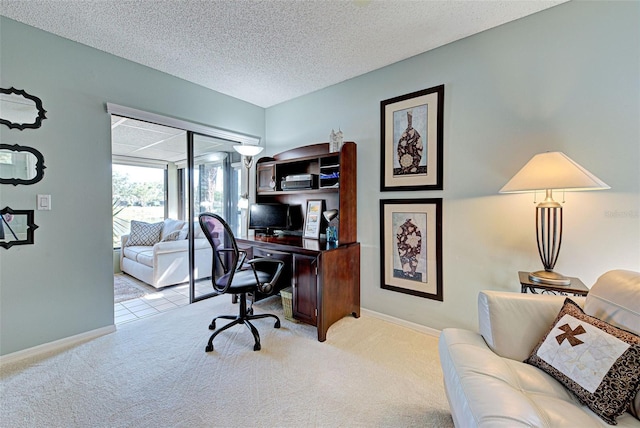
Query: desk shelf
point(339, 191)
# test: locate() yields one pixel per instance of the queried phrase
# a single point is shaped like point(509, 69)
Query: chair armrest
point(512, 324)
point(123, 240)
point(267, 287)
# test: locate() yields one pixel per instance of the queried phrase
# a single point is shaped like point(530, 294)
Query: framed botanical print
point(313, 219)
point(411, 141)
point(411, 246)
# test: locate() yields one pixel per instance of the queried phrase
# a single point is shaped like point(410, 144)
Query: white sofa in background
point(166, 263)
point(488, 384)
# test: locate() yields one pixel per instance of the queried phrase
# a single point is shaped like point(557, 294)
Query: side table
point(575, 288)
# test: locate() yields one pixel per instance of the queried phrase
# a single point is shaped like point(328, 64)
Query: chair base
point(243, 317)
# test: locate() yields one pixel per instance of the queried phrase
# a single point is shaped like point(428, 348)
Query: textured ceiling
point(266, 51)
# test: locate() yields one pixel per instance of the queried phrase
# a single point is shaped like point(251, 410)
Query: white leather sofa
point(488, 384)
point(166, 263)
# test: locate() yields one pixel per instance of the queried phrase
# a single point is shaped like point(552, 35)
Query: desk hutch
point(325, 278)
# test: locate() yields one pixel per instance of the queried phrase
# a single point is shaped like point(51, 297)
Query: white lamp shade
point(247, 150)
point(552, 170)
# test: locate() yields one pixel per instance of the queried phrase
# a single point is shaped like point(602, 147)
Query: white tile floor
point(156, 302)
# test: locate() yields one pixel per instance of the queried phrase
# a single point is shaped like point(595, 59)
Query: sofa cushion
point(197, 231)
point(615, 299)
point(486, 390)
point(499, 311)
point(142, 233)
point(173, 236)
point(170, 225)
point(140, 254)
point(597, 361)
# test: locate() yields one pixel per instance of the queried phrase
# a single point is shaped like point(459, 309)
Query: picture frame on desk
point(411, 141)
point(411, 246)
point(313, 218)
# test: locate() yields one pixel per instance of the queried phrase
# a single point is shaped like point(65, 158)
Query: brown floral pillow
point(598, 362)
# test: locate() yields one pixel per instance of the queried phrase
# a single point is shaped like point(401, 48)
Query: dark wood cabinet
point(266, 177)
point(305, 288)
point(325, 277)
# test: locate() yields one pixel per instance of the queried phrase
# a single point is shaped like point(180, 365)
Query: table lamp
point(551, 171)
point(332, 231)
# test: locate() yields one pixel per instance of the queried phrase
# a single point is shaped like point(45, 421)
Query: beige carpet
point(154, 373)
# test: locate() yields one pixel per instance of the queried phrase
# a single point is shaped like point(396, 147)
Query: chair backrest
point(226, 255)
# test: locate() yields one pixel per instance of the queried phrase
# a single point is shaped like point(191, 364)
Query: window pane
point(138, 194)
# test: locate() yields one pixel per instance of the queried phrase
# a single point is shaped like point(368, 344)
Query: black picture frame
point(27, 226)
point(411, 141)
point(411, 246)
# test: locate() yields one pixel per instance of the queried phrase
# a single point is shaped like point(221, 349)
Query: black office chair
point(230, 275)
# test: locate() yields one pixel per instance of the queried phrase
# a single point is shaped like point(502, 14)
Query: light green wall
point(63, 285)
point(564, 79)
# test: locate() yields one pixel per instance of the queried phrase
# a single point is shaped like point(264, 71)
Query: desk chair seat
point(230, 276)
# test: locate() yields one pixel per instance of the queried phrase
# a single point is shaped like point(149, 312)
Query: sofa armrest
point(512, 324)
point(123, 243)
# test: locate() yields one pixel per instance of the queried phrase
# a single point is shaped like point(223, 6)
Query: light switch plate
point(44, 202)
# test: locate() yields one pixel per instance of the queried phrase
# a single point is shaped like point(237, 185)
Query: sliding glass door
point(174, 170)
point(214, 174)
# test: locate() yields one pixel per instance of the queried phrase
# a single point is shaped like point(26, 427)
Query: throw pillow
point(598, 362)
point(144, 234)
point(173, 236)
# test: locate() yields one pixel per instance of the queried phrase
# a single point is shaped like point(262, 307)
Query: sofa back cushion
point(513, 323)
point(615, 299)
point(170, 225)
point(197, 231)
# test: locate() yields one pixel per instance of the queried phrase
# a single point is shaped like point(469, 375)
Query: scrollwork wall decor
point(20, 110)
point(20, 165)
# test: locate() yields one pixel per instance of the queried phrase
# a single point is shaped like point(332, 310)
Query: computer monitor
point(269, 217)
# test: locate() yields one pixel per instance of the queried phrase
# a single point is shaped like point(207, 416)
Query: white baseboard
point(413, 326)
point(55, 345)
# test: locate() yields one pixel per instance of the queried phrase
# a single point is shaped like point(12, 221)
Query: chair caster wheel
point(212, 326)
point(256, 347)
point(277, 324)
point(209, 348)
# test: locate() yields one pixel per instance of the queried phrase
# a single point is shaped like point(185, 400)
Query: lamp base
point(549, 277)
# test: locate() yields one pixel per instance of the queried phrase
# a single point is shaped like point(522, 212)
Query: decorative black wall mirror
point(16, 227)
point(19, 109)
point(20, 165)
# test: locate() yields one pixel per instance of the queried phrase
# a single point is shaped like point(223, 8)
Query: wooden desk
point(575, 288)
point(325, 279)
